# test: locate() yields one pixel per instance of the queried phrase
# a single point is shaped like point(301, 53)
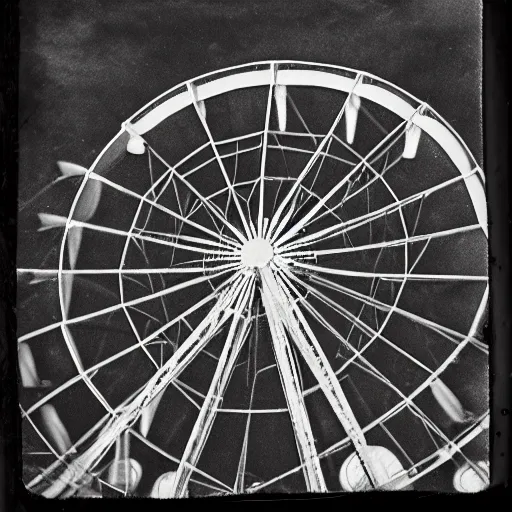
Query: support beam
point(130, 413)
point(312, 353)
point(291, 386)
point(235, 339)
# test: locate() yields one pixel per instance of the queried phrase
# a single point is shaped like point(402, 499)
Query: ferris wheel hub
point(257, 253)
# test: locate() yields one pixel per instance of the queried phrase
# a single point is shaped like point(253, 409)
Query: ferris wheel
point(272, 279)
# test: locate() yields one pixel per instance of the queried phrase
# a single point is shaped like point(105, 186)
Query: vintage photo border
point(496, 98)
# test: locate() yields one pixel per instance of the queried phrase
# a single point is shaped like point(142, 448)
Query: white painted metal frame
point(232, 302)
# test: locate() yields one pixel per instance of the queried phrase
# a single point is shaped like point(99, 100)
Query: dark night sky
point(86, 66)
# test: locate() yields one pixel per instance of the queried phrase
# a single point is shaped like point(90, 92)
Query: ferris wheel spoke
point(60, 484)
point(116, 307)
point(364, 162)
point(73, 351)
point(242, 463)
point(335, 260)
point(312, 195)
point(183, 316)
point(221, 165)
point(411, 405)
point(264, 149)
point(218, 143)
point(288, 177)
point(376, 175)
point(207, 200)
point(265, 222)
point(194, 170)
point(198, 205)
point(122, 297)
point(381, 275)
point(363, 188)
point(274, 228)
point(137, 271)
point(367, 366)
point(163, 209)
point(62, 460)
point(160, 331)
point(323, 321)
point(178, 236)
point(320, 367)
point(129, 414)
point(54, 393)
point(247, 203)
point(386, 167)
point(299, 115)
point(361, 165)
point(213, 483)
point(169, 174)
point(386, 430)
point(363, 326)
point(211, 208)
point(370, 217)
point(364, 365)
point(446, 332)
point(385, 244)
point(323, 154)
point(202, 427)
point(449, 445)
point(291, 386)
point(228, 201)
point(184, 386)
point(318, 171)
point(214, 212)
